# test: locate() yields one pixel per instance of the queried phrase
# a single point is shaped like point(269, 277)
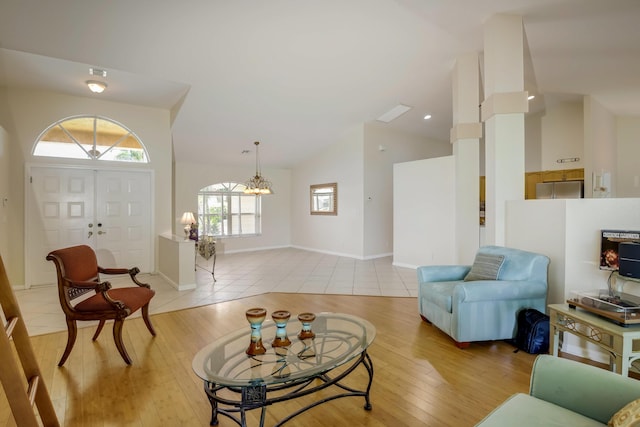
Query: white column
point(465, 137)
point(503, 116)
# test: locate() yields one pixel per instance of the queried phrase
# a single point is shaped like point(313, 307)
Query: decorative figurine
point(256, 316)
point(306, 319)
point(281, 317)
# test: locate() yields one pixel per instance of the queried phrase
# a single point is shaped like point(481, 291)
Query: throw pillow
point(629, 416)
point(485, 267)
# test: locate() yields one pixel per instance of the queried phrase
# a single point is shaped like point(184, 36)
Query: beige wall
point(4, 196)
point(562, 136)
point(362, 164)
point(533, 142)
point(343, 163)
point(383, 148)
point(628, 157)
point(29, 112)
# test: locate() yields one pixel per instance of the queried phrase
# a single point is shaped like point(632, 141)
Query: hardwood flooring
point(421, 378)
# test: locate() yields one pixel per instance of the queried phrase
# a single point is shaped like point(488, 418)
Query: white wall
point(342, 163)
point(423, 203)
point(628, 157)
point(276, 213)
point(383, 148)
point(29, 112)
point(540, 226)
point(562, 136)
point(600, 146)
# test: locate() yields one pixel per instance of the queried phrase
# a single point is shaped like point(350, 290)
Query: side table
point(206, 247)
point(622, 343)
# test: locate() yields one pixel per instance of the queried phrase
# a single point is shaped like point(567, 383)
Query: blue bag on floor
point(532, 335)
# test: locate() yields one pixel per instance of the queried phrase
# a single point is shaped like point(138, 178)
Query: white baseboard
point(183, 287)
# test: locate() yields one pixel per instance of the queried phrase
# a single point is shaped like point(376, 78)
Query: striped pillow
point(485, 267)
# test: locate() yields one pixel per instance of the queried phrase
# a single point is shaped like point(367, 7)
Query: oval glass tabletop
point(338, 339)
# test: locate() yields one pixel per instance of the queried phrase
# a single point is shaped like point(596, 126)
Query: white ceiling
point(295, 74)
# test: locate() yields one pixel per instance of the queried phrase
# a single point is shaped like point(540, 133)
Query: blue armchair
point(483, 307)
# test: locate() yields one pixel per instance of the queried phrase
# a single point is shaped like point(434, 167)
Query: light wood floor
point(421, 378)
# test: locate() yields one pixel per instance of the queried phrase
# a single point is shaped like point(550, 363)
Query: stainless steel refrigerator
point(560, 190)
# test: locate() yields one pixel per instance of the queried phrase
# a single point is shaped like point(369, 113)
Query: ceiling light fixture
point(394, 113)
point(530, 97)
point(257, 184)
point(427, 117)
point(96, 86)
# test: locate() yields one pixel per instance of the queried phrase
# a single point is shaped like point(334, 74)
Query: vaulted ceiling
point(296, 74)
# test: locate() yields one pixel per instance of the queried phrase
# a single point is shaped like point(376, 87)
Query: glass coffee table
point(235, 382)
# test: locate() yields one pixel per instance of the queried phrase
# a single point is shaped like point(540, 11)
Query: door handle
point(90, 234)
point(101, 232)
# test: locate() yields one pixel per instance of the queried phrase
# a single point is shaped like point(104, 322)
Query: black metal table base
point(258, 397)
point(213, 268)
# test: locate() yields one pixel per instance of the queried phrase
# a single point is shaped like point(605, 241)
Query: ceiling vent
point(97, 72)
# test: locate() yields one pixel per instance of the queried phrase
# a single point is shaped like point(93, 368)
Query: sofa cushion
point(523, 410)
point(485, 267)
point(629, 416)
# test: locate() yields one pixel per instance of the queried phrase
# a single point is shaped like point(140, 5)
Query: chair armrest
point(442, 273)
point(581, 388)
point(491, 290)
point(132, 272)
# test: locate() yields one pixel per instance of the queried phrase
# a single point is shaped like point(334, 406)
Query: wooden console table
point(621, 343)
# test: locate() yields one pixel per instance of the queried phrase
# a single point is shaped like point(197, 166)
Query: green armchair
point(564, 392)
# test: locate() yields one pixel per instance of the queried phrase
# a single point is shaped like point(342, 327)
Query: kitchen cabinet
point(563, 175)
point(530, 181)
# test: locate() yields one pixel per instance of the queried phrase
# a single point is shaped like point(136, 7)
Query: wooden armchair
point(84, 297)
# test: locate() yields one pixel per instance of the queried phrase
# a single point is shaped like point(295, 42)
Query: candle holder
point(256, 316)
point(306, 319)
point(281, 317)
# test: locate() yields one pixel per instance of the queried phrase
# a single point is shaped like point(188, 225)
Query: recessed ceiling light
point(530, 97)
point(427, 117)
point(394, 113)
point(96, 86)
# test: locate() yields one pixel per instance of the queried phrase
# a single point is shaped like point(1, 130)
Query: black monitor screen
point(609, 246)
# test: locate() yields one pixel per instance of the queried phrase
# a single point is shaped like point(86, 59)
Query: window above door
point(90, 137)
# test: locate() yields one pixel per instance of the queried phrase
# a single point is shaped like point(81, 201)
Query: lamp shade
point(187, 218)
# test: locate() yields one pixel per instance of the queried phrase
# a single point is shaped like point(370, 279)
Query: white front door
point(107, 210)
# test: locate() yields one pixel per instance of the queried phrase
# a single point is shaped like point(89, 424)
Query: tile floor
point(240, 275)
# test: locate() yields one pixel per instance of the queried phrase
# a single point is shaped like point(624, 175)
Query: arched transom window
point(225, 210)
point(90, 137)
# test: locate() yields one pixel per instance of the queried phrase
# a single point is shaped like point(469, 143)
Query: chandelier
point(258, 184)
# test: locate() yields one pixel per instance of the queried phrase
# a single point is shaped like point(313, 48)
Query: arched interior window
point(224, 210)
point(90, 137)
